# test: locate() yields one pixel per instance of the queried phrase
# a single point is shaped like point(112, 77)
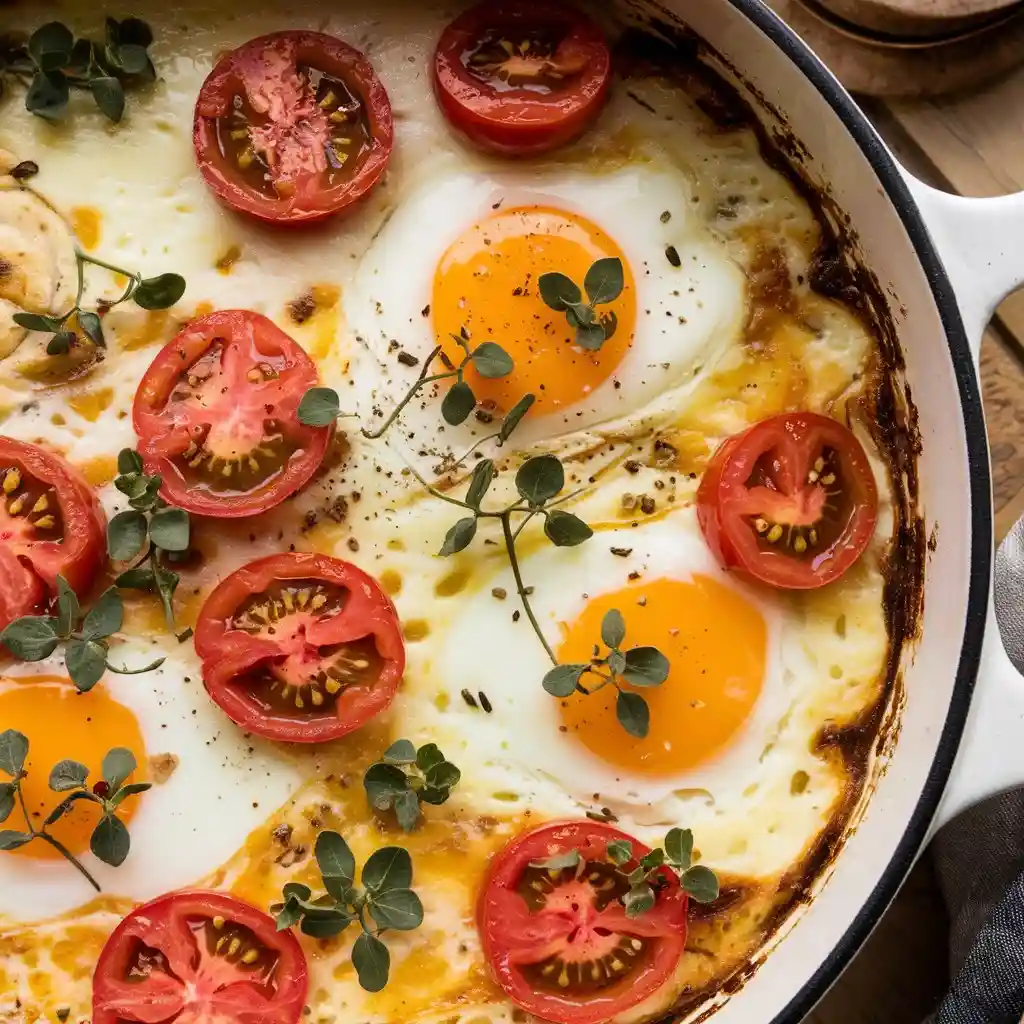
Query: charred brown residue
point(302, 309)
point(667, 47)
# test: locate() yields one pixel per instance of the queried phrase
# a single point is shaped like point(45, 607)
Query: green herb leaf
point(428, 756)
point(400, 909)
point(86, 661)
point(491, 361)
point(159, 292)
point(638, 900)
point(610, 324)
point(562, 679)
point(66, 775)
point(443, 776)
point(117, 766)
point(31, 638)
point(68, 610)
point(11, 840)
point(653, 860)
point(92, 327)
point(483, 476)
point(679, 847)
point(459, 537)
point(620, 851)
point(384, 783)
point(288, 916)
point(613, 628)
point(616, 661)
point(388, 868)
point(13, 751)
point(35, 322)
point(540, 479)
point(458, 403)
point(110, 841)
point(169, 529)
point(633, 714)
point(604, 280)
point(126, 535)
point(565, 530)
point(133, 32)
point(372, 962)
point(701, 883)
point(400, 752)
point(559, 862)
point(325, 924)
point(129, 461)
point(130, 790)
point(407, 810)
point(48, 95)
point(334, 858)
point(108, 93)
point(53, 38)
point(106, 616)
point(67, 803)
point(136, 579)
point(319, 407)
point(581, 315)
point(558, 291)
point(645, 666)
point(514, 416)
point(590, 337)
point(7, 791)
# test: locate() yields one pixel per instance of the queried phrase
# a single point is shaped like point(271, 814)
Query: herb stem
point(95, 261)
point(510, 546)
point(55, 843)
point(522, 525)
point(482, 441)
point(413, 391)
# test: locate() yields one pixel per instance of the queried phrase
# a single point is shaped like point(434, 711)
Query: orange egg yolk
point(716, 644)
point(61, 724)
point(486, 284)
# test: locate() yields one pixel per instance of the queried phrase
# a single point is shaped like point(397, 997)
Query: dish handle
point(981, 242)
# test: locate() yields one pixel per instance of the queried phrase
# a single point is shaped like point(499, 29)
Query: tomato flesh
point(559, 943)
point(292, 127)
point(199, 958)
point(301, 648)
point(51, 524)
point(521, 77)
point(217, 416)
point(791, 501)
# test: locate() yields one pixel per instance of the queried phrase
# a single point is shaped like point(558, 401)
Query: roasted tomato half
point(217, 416)
point(300, 648)
point(197, 957)
point(791, 501)
point(559, 942)
point(292, 127)
point(521, 77)
point(51, 524)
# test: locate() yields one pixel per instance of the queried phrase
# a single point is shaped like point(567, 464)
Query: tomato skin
point(164, 435)
point(229, 652)
point(308, 204)
point(515, 121)
point(511, 936)
point(203, 987)
point(793, 440)
point(78, 557)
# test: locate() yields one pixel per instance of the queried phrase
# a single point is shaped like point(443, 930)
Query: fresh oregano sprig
point(86, 647)
point(405, 778)
point(53, 62)
point(645, 877)
point(320, 406)
point(110, 841)
point(385, 902)
point(150, 533)
point(159, 292)
point(603, 283)
point(638, 666)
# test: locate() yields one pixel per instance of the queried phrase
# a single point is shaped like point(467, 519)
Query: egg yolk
point(63, 724)
point(716, 644)
point(486, 286)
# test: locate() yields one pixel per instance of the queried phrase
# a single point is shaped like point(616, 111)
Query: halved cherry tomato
point(292, 127)
point(791, 501)
point(561, 946)
point(51, 524)
point(195, 957)
point(217, 416)
point(521, 77)
point(301, 648)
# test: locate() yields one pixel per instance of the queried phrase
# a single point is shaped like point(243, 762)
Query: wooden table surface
point(973, 145)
